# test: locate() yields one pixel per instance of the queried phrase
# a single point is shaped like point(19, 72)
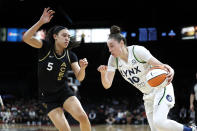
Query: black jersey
point(52, 68)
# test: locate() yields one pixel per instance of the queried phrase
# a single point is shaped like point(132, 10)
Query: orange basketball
point(156, 77)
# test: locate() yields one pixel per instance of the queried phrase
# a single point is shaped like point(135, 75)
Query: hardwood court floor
point(11, 127)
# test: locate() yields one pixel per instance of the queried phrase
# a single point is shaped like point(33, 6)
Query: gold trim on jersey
point(61, 56)
point(45, 56)
point(68, 56)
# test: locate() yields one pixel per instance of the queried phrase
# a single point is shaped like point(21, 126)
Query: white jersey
point(134, 71)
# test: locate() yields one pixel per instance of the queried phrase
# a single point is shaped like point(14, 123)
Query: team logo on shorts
point(169, 98)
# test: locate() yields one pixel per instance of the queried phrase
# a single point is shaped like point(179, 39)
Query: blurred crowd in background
point(110, 111)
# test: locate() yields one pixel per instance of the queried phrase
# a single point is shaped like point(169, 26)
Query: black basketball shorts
point(54, 100)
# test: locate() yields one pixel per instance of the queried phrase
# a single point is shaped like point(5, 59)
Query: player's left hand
point(83, 63)
point(47, 15)
point(170, 74)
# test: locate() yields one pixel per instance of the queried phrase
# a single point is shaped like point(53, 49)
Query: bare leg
point(73, 106)
point(59, 120)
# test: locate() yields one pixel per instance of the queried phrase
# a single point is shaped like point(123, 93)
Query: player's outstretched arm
point(106, 76)
point(29, 38)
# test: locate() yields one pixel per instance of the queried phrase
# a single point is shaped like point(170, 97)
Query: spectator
point(183, 115)
point(193, 100)
point(110, 119)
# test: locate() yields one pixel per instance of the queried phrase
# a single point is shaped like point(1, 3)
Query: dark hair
point(115, 33)
point(55, 30)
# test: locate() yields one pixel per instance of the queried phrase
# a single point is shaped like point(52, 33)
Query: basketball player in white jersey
point(133, 62)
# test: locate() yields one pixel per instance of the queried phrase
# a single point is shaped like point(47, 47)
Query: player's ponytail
point(115, 33)
point(73, 43)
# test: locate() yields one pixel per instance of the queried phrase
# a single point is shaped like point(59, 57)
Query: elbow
point(80, 79)
point(25, 39)
point(80, 75)
point(107, 86)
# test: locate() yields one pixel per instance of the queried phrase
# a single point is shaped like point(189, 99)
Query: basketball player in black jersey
point(54, 61)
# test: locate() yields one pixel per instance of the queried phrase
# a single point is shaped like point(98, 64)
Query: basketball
point(156, 77)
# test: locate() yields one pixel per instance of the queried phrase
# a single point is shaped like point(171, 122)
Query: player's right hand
point(47, 15)
point(170, 74)
point(102, 68)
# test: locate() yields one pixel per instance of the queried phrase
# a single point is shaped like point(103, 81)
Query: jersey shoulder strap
point(139, 60)
point(67, 53)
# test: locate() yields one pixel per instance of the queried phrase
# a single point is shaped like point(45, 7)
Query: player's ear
point(54, 36)
point(122, 43)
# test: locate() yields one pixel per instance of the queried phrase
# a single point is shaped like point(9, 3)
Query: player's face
point(114, 47)
point(63, 38)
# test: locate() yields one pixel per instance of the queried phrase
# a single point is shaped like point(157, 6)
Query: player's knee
point(82, 118)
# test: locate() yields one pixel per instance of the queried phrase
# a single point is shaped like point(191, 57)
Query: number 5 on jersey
point(49, 66)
